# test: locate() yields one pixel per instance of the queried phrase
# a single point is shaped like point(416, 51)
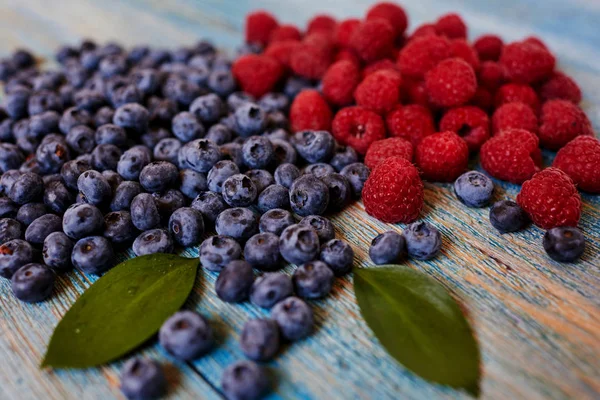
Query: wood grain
point(537, 321)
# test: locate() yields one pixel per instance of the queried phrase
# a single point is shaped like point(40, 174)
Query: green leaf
point(121, 310)
point(419, 324)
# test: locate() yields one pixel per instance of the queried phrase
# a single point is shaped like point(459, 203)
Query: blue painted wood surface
point(538, 321)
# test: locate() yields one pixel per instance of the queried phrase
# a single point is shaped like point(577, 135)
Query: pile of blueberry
point(151, 149)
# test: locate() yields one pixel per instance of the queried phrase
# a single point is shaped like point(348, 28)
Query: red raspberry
point(560, 86)
point(415, 93)
point(394, 192)
point(339, 82)
point(310, 111)
point(381, 150)
point(259, 25)
point(470, 123)
point(285, 32)
point(391, 12)
point(309, 61)
point(489, 47)
point(442, 157)
point(561, 122)
point(412, 122)
point(514, 116)
point(452, 26)
point(322, 23)
point(490, 75)
point(580, 159)
point(373, 40)
point(536, 41)
point(347, 55)
point(257, 74)
point(482, 99)
point(451, 83)
point(381, 65)
point(344, 31)
point(422, 54)
point(282, 51)
point(550, 198)
point(321, 40)
point(357, 127)
point(527, 62)
point(512, 155)
point(461, 49)
point(514, 92)
point(379, 92)
point(423, 30)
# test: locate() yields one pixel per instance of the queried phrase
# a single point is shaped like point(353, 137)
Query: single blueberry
point(274, 196)
point(474, 189)
point(357, 174)
point(234, 281)
point(187, 226)
point(57, 197)
point(42, 124)
point(262, 251)
point(143, 379)
point(57, 251)
point(144, 212)
point(167, 150)
point(8, 208)
point(192, 183)
point(217, 251)
point(340, 191)
point(323, 226)
point(81, 139)
point(232, 151)
point(239, 191)
point(238, 223)
point(13, 255)
point(564, 243)
point(208, 108)
point(132, 162)
point(186, 335)
point(41, 227)
point(104, 116)
point(158, 176)
point(199, 155)
point(32, 283)
point(219, 173)
point(299, 244)
point(423, 240)
point(219, 133)
point(111, 134)
point(294, 317)
point(319, 170)
point(275, 221)
point(257, 152)
point(8, 179)
point(153, 241)
point(314, 146)
point(308, 196)
point(186, 127)
point(124, 194)
point(260, 339)
point(343, 156)
point(26, 188)
point(71, 170)
point(261, 179)
point(29, 212)
point(284, 152)
point(88, 99)
point(250, 119)
point(508, 216)
point(387, 248)
point(244, 380)
point(73, 117)
point(93, 255)
point(81, 220)
point(42, 101)
point(210, 204)
point(286, 174)
point(118, 227)
point(271, 288)
point(313, 280)
point(94, 187)
point(221, 82)
point(132, 117)
point(10, 229)
point(338, 255)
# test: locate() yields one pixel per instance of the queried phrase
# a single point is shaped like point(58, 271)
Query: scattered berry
point(474, 189)
point(338, 255)
point(357, 174)
point(564, 243)
point(153, 241)
point(32, 283)
point(260, 339)
point(239, 223)
point(186, 335)
point(508, 216)
point(275, 221)
point(299, 244)
point(259, 26)
point(314, 146)
point(294, 317)
point(423, 240)
point(313, 280)
point(93, 255)
point(387, 248)
point(217, 251)
point(143, 379)
point(269, 289)
point(244, 380)
point(262, 251)
point(309, 195)
point(321, 225)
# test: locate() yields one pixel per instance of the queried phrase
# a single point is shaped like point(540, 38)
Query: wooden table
point(538, 321)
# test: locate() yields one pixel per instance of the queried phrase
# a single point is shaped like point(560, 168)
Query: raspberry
point(490, 75)
point(394, 192)
point(357, 127)
point(514, 92)
point(561, 122)
point(344, 30)
point(259, 25)
point(379, 92)
point(309, 61)
point(257, 74)
point(470, 123)
point(526, 62)
point(284, 32)
point(536, 41)
point(320, 40)
point(550, 198)
point(423, 30)
point(310, 111)
point(461, 49)
point(423, 53)
point(391, 12)
point(482, 99)
point(381, 65)
point(451, 83)
point(416, 93)
point(452, 26)
point(282, 51)
point(512, 155)
point(560, 86)
point(580, 159)
point(321, 23)
point(514, 116)
point(339, 82)
point(412, 122)
point(381, 150)
point(347, 55)
point(442, 157)
point(489, 47)
point(373, 40)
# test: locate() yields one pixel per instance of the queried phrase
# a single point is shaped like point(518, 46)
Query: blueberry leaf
point(121, 310)
point(419, 324)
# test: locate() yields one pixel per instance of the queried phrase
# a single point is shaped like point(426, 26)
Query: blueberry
point(57, 197)
point(423, 240)
point(146, 80)
point(6, 130)
point(274, 102)
point(113, 179)
point(257, 152)
point(295, 85)
point(29, 212)
point(183, 91)
point(31, 165)
point(274, 196)
point(143, 379)
point(260, 339)
point(244, 380)
point(112, 65)
point(26, 188)
point(15, 103)
point(338, 255)
point(81, 139)
point(42, 101)
point(294, 317)
point(236, 99)
point(319, 170)
point(250, 119)
point(42, 227)
point(42, 124)
point(32, 283)
point(153, 241)
point(94, 187)
point(219, 133)
point(219, 173)
point(313, 280)
point(57, 251)
point(474, 189)
point(81, 220)
point(221, 82)
point(314, 146)
point(217, 251)
point(210, 204)
point(132, 162)
point(262, 251)
point(13, 255)
point(167, 150)
point(239, 191)
point(10, 229)
point(186, 127)
point(23, 58)
point(132, 117)
point(8, 179)
point(118, 227)
point(167, 202)
point(71, 170)
point(324, 228)
point(186, 335)
point(199, 155)
point(88, 99)
point(261, 179)
point(275, 221)
point(124, 194)
point(357, 174)
point(564, 243)
point(187, 226)
point(282, 136)
point(144, 212)
point(233, 151)
point(208, 108)
point(286, 174)
point(162, 111)
point(508, 216)
point(387, 248)
point(340, 191)
point(111, 134)
point(154, 135)
point(234, 281)
point(192, 183)
point(7, 69)
point(72, 117)
point(309, 195)
point(104, 116)
point(48, 179)
point(343, 156)
point(299, 244)
point(284, 152)
point(93, 255)
point(158, 176)
point(270, 289)
point(239, 223)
